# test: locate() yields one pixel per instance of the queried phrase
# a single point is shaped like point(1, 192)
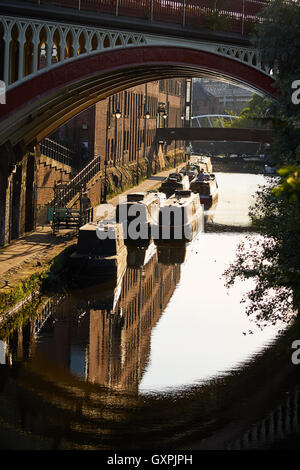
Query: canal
point(166, 359)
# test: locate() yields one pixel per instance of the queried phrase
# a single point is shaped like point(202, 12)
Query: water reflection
point(236, 195)
point(104, 336)
point(163, 359)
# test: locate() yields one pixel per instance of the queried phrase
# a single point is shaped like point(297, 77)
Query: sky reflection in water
point(200, 333)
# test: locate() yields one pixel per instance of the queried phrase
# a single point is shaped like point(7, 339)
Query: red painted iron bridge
point(236, 16)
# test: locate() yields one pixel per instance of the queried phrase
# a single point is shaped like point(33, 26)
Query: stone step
point(47, 161)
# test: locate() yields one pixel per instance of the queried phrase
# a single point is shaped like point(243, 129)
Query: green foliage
point(45, 281)
point(278, 40)
point(272, 258)
point(289, 188)
point(255, 115)
point(12, 297)
point(216, 21)
point(30, 310)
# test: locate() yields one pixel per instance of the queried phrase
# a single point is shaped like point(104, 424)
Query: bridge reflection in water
point(280, 423)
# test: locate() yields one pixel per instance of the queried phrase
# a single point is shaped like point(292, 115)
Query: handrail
point(69, 191)
point(57, 152)
point(239, 14)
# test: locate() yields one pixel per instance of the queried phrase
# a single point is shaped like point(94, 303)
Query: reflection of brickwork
point(108, 348)
point(120, 345)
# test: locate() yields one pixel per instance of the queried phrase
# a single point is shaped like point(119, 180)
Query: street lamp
point(117, 115)
point(175, 142)
point(146, 116)
point(182, 119)
point(105, 181)
point(106, 154)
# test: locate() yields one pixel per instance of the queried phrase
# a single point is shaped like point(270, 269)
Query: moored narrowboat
point(174, 182)
point(137, 212)
point(180, 218)
point(191, 171)
point(207, 187)
point(100, 252)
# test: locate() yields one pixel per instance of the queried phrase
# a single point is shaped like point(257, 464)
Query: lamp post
point(117, 117)
point(147, 116)
point(106, 151)
point(182, 118)
point(175, 142)
point(165, 116)
point(105, 181)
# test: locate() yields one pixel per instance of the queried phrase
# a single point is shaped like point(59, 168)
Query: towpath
point(29, 254)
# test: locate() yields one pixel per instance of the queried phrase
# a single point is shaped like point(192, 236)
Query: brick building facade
point(122, 128)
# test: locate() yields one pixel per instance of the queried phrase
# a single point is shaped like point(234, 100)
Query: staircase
point(70, 191)
point(56, 152)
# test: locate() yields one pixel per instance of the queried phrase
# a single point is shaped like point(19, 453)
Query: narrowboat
point(207, 187)
point(175, 181)
point(203, 163)
point(137, 212)
point(180, 218)
point(100, 252)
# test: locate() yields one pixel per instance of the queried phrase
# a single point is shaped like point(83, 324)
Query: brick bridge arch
point(37, 106)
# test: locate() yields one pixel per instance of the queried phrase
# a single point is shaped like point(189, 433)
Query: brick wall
point(17, 194)
point(47, 176)
point(131, 137)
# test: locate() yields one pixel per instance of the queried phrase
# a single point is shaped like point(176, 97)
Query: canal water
point(163, 354)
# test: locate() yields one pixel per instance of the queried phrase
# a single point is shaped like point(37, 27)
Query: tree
point(277, 38)
point(255, 114)
point(272, 257)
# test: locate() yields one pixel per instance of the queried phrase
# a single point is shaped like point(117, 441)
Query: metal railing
point(71, 189)
point(57, 152)
point(48, 309)
point(229, 15)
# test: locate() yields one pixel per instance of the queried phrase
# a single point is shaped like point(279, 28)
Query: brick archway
point(42, 103)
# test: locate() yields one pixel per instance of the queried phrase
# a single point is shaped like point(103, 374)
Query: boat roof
point(207, 177)
point(180, 199)
point(179, 177)
point(142, 198)
point(106, 225)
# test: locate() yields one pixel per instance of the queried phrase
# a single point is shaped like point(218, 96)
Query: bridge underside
point(215, 134)
point(41, 104)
